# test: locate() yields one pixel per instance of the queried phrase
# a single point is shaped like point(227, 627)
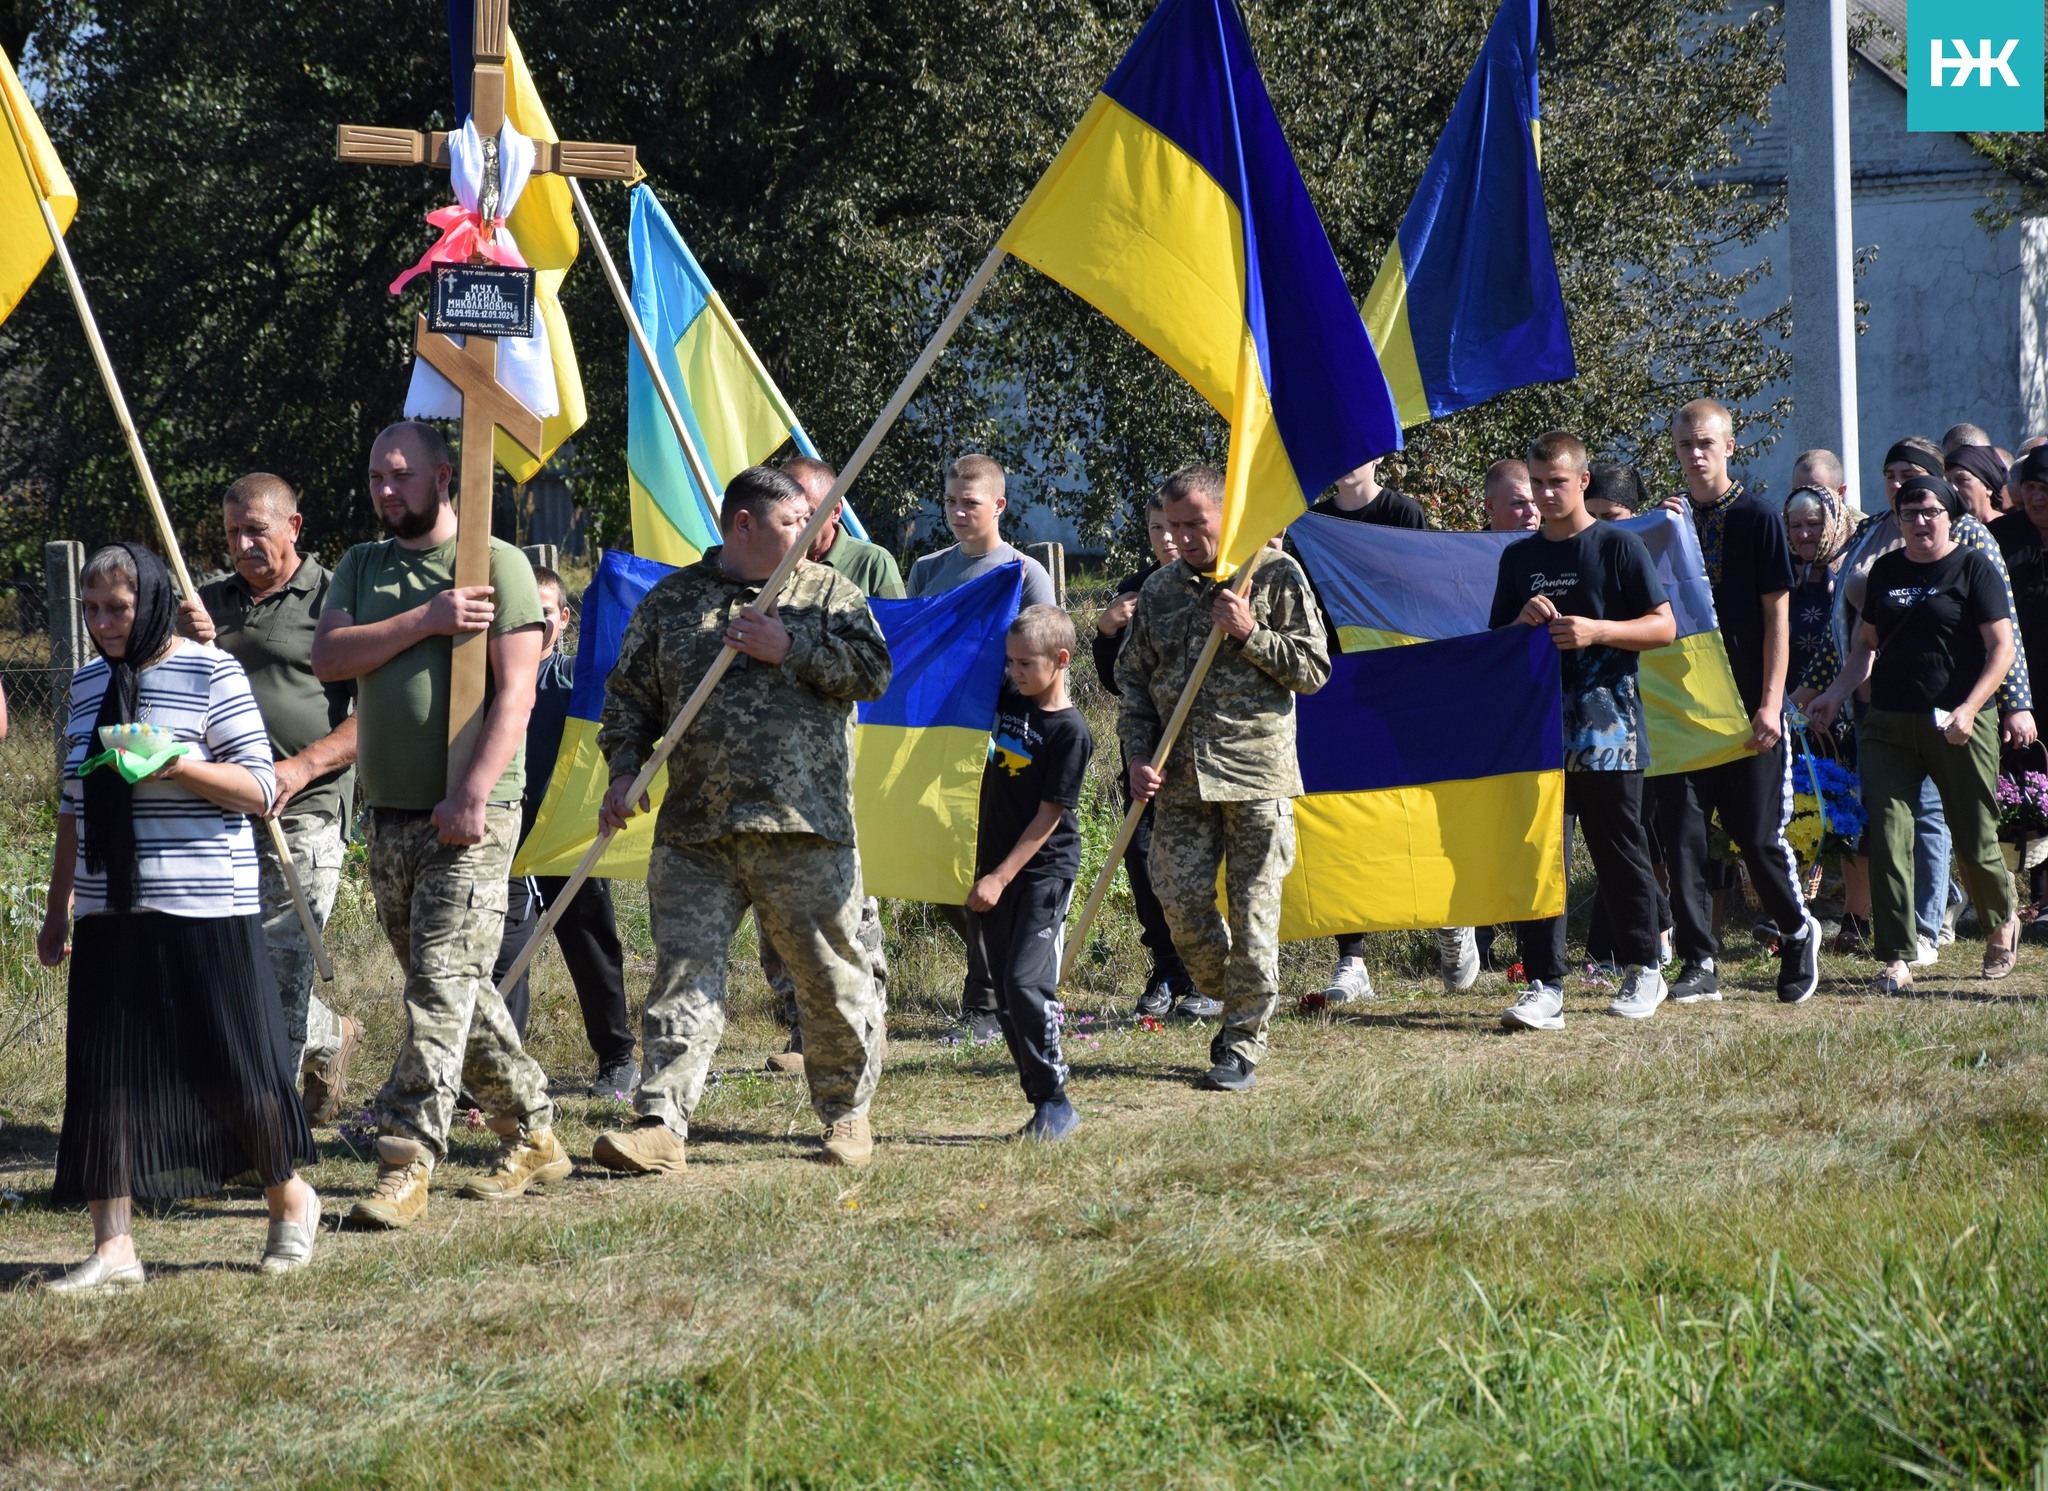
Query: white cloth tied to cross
point(525, 367)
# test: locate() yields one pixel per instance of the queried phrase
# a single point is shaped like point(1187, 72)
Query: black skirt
point(175, 1068)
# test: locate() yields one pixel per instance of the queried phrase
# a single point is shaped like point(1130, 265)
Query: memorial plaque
point(492, 300)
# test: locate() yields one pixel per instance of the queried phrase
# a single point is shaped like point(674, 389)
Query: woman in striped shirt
point(175, 1068)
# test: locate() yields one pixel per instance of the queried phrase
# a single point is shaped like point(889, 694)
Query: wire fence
point(36, 692)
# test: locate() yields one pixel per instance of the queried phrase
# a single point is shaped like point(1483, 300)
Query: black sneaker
point(1696, 982)
point(1231, 1073)
point(1799, 964)
point(983, 1028)
point(617, 1080)
point(1191, 1008)
point(1157, 998)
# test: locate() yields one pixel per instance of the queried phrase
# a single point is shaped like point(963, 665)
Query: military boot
point(399, 1198)
point(526, 1157)
point(651, 1147)
point(849, 1142)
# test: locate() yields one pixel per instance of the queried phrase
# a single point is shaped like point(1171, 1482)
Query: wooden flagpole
point(156, 500)
point(770, 589)
point(1078, 938)
point(698, 468)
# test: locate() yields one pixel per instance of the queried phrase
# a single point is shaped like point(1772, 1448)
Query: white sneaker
point(1457, 956)
point(1541, 1007)
point(1642, 990)
point(1924, 955)
point(1349, 984)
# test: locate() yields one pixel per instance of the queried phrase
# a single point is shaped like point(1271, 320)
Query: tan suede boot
point(850, 1142)
point(649, 1148)
point(527, 1157)
point(399, 1198)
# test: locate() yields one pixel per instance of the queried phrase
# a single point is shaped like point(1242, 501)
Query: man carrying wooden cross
point(440, 852)
point(1226, 799)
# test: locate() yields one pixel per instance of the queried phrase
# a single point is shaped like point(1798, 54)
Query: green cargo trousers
point(1898, 750)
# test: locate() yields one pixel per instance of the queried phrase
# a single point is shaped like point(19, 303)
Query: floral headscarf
point(1835, 536)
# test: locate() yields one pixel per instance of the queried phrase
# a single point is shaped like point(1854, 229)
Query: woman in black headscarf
point(1979, 479)
point(174, 1058)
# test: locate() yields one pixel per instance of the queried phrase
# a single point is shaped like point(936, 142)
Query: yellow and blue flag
point(1177, 210)
point(1414, 812)
point(24, 239)
point(1450, 815)
point(1467, 303)
point(1386, 587)
point(735, 414)
point(543, 224)
point(918, 750)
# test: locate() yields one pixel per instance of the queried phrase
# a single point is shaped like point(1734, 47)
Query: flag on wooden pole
point(1177, 210)
point(24, 240)
point(735, 415)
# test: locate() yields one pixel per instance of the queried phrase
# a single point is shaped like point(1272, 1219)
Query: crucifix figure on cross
point(471, 366)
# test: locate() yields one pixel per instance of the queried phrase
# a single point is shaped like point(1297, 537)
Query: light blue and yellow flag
point(543, 224)
point(1413, 812)
point(1467, 303)
point(918, 750)
point(1384, 587)
point(1176, 209)
point(735, 414)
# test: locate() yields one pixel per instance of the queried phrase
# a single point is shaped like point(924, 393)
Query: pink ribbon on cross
point(461, 240)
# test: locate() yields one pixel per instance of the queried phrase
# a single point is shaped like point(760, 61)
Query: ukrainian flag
point(24, 241)
point(1467, 304)
point(1176, 209)
point(918, 750)
point(735, 414)
point(1418, 809)
point(1386, 587)
point(543, 223)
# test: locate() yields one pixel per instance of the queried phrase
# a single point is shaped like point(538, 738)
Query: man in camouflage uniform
point(759, 812)
point(1226, 795)
point(439, 856)
point(873, 569)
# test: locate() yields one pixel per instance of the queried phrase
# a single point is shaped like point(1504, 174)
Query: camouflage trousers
point(443, 908)
point(1237, 960)
point(315, 843)
point(806, 891)
point(773, 970)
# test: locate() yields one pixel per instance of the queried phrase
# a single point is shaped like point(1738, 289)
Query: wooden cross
point(473, 367)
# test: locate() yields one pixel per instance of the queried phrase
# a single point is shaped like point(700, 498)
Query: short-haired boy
point(1029, 853)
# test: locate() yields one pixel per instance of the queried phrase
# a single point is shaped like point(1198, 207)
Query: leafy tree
point(840, 169)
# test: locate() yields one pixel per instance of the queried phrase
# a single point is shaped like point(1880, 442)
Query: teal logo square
point(1973, 65)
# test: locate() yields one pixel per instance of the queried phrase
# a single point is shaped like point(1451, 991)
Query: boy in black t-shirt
point(1594, 586)
point(1749, 563)
point(1029, 852)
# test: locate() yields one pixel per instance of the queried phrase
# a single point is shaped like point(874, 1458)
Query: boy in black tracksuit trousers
point(1028, 853)
point(1749, 562)
point(1595, 588)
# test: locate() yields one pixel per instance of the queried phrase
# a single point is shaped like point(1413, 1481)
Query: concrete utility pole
point(1816, 104)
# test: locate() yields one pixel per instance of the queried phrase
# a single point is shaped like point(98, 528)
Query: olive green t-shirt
point(402, 707)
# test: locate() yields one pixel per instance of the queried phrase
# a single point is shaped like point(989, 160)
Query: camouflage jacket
point(772, 751)
point(1238, 743)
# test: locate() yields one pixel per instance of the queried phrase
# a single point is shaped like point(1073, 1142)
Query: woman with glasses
point(1937, 633)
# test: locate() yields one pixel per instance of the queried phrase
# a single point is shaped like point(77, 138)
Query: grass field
point(1736, 1245)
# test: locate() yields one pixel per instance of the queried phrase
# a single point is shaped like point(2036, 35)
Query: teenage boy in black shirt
point(1594, 586)
point(1749, 563)
point(1028, 853)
